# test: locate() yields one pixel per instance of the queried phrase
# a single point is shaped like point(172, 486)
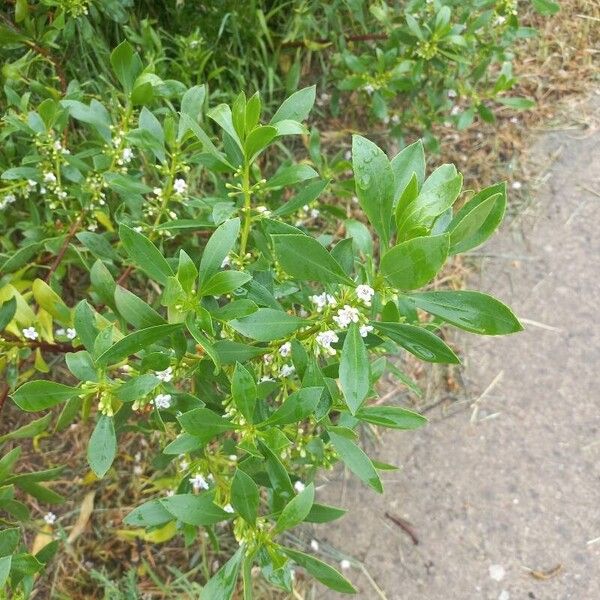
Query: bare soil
point(503, 490)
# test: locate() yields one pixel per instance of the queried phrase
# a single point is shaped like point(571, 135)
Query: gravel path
point(506, 502)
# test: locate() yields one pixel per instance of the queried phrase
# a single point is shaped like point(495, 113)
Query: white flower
point(162, 401)
point(126, 156)
point(71, 333)
point(299, 486)
point(228, 508)
point(287, 370)
point(345, 564)
point(325, 339)
point(285, 349)
point(165, 375)
point(137, 456)
point(61, 331)
point(198, 482)
point(138, 469)
point(314, 213)
point(31, 184)
point(369, 88)
point(395, 119)
point(348, 154)
point(314, 545)
point(268, 359)
point(30, 333)
point(365, 330)
point(50, 518)
point(226, 262)
point(232, 457)
point(170, 493)
point(157, 191)
point(57, 145)
point(49, 177)
point(452, 94)
point(455, 110)
point(365, 294)
point(184, 464)
point(322, 300)
point(180, 186)
point(517, 185)
point(346, 315)
point(263, 210)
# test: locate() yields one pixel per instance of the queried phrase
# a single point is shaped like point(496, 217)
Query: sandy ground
point(505, 500)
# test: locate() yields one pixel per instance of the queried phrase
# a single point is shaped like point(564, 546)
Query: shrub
point(202, 294)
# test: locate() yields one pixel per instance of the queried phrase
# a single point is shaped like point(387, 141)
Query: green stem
point(246, 209)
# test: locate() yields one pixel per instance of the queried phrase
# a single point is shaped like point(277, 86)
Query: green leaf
point(304, 258)
point(471, 311)
point(410, 160)
point(50, 301)
point(418, 341)
point(296, 407)
point(258, 140)
point(245, 496)
point(296, 510)
point(85, 325)
point(204, 423)
point(149, 514)
point(136, 341)
point(546, 7)
point(192, 101)
point(126, 64)
point(221, 586)
point(217, 248)
point(432, 201)
point(475, 222)
point(221, 114)
point(243, 390)
point(321, 571)
point(414, 263)
point(391, 416)
point(224, 282)
point(291, 175)
point(195, 509)
point(97, 244)
point(145, 254)
point(5, 563)
point(81, 365)
point(517, 103)
point(137, 387)
point(374, 184)
point(353, 457)
point(40, 395)
point(7, 312)
point(322, 513)
point(102, 447)
point(267, 324)
point(29, 430)
point(297, 107)
point(135, 311)
point(354, 369)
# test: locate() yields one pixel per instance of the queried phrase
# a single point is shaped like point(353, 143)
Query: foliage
point(201, 288)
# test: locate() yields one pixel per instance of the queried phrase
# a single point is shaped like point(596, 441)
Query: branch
point(63, 248)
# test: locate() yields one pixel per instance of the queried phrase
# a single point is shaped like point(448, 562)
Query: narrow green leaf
point(204, 423)
point(411, 160)
point(224, 282)
point(40, 395)
point(243, 390)
point(394, 417)
point(149, 514)
point(354, 369)
point(135, 311)
point(304, 258)
point(296, 407)
point(221, 586)
point(267, 324)
point(102, 447)
point(217, 248)
point(195, 509)
point(471, 311)
point(413, 263)
point(297, 107)
point(145, 254)
point(296, 510)
point(245, 496)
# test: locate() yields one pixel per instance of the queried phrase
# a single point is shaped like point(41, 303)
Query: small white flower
point(137, 456)
point(299, 486)
point(138, 470)
point(325, 339)
point(314, 545)
point(30, 333)
point(452, 94)
point(365, 294)
point(180, 186)
point(61, 331)
point(287, 370)
point(369, 88)
point(71, 333)
point(263, 210)
point(268, 359)
point(50, 518)
point(266, 378)
point(226, 262)
point(170, 493)
point(198, 482)
point(162, 401)
point(517, 185)
point(348, 154)
point(228, 508)
point(31, 184)
point(345, 564)
point(314, 213)
point(455, 110)
point(346, 315)
point(126, 155)
point(285, 349)
point(322, 300)
point(157, 191)
point(365, 330)
point(57, 145)
point(395, 119)
point(184, 464)
point(233, 457)
point(165, 375)
point(49, 177)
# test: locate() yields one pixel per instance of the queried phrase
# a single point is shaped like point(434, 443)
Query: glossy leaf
point(296, 406)
point(297, 107)
point(145, 254)
point(296, 510)
point(217, 248)
point(411, 160)
point(245, 496)
point(40, 395)
point(102, 447)
point(243, 391)
point(267, 324)
point(204, 423)
point(354, 369)
point(224, 283)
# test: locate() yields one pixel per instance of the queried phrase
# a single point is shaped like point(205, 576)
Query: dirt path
point(515, 487)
